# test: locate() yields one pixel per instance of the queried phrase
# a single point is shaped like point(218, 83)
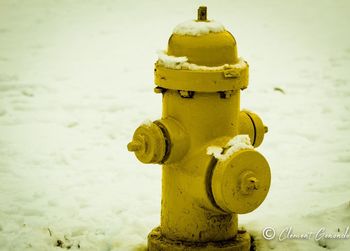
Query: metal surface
point(202, 195)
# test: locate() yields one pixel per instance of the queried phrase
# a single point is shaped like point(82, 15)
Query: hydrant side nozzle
point(148, 143)
point(251, 124)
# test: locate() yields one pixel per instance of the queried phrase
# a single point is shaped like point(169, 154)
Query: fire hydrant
point(211, 171)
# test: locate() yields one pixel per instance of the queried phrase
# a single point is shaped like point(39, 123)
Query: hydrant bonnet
point(210, 62)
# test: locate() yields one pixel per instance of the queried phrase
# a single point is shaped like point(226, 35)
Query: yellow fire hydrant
point(211, 171)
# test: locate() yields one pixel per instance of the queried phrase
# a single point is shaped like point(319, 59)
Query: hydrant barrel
point(185, 181)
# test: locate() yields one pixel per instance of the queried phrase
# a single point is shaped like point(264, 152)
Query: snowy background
point(76, 79)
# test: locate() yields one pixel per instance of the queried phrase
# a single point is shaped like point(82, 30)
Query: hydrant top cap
point(201, 56)
point(204, 42)
point(212, 49)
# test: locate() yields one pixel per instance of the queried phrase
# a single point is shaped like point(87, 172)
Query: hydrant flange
point(156, 241)
point(234, 77)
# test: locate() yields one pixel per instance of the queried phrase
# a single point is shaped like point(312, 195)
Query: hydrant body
point(187, 210)
point(211, 171)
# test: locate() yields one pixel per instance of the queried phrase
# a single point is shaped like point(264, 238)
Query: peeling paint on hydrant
point(211, 171)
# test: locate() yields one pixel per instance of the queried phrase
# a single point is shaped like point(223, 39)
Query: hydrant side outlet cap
point(241, 183)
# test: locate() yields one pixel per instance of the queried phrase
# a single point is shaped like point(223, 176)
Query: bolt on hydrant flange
point(205, 144)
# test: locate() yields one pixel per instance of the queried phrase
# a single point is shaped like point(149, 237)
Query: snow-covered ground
point(76, 79)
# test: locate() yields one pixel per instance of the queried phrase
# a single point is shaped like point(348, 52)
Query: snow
point(171, 62)
point(238, 142)
point(181, 63)
point(147, 122)
point(216, 151)
point(76, 80)
point(195, 28)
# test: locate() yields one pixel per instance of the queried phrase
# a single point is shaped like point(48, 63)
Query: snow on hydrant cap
point(199, 27)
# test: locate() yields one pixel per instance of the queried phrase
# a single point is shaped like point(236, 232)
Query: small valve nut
point(148, 143)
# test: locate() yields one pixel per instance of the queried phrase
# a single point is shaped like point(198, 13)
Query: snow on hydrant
point(205, 144)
